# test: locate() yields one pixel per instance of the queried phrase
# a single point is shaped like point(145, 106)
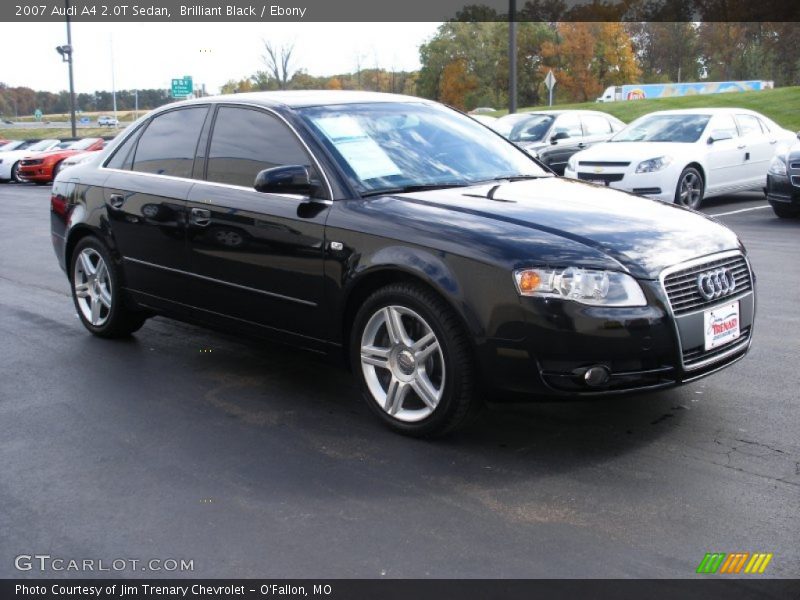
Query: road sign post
point(550, 82)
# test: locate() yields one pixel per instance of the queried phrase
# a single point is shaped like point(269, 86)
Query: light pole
point(66, 56)
point(512, 56)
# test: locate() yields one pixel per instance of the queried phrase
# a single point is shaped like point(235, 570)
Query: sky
point(149, 55)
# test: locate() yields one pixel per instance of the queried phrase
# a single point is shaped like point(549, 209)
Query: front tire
point(97, 292)
point(15, 173)
point(691, 187)
point(413, 361)
point(785, 212)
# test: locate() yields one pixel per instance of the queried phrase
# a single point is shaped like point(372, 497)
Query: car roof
point(303, 98)
point(556, 112)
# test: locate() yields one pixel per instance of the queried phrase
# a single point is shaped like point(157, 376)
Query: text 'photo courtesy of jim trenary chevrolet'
point(456, 298)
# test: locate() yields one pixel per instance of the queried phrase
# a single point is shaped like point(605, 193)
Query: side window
point(123, 156)
point(168, 145)
point(246, 141)
point(596, 125)
point(725, 123)
point(569, 124)
point(748, 124)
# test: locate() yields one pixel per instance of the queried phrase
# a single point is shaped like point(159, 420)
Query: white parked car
point(683, 156)
point(485, 119)
point(9, 161)
point(106, 121)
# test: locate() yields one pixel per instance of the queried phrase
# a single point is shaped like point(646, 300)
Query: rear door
point(758, 150)
point(596, 129)
point(145, 196)
point(257, 257)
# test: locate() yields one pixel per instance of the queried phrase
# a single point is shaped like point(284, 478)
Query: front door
point(257, 257)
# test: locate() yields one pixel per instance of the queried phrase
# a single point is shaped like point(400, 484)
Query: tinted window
point(748, 124)
point(123, 155)
point(570, 124)
point(168, 144)
point(246, 141)
point(596, 125)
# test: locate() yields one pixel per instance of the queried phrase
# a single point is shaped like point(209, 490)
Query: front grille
point(605, 177)
point(653, 190)
point(681, 286)
point(796, 180)
point(602, 163)
point(693, 356)
point(794, 165)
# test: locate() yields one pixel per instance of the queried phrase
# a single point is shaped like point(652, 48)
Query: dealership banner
point(406, 11)
point(397, 589)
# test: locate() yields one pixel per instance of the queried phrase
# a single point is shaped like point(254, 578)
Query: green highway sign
point(182, 87)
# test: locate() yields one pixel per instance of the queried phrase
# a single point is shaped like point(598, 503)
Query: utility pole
point(512, 56)
point(68, 54)
point(113, 79)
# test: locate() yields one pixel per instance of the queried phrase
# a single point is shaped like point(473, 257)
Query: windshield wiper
point(513, 178)
point(412, 188)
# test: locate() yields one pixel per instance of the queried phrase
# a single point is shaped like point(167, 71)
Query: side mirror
point(719, 135)
point(561, 135)
point(289, 179)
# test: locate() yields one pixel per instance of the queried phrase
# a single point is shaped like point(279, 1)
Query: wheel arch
point(365, 283)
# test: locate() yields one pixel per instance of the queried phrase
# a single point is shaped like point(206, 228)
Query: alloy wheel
point(92, 286)
point(402, 363)
point(691, 190)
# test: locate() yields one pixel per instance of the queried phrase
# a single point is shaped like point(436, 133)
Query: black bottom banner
point(390, 589)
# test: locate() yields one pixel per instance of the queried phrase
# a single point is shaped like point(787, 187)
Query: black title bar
point(408, 10)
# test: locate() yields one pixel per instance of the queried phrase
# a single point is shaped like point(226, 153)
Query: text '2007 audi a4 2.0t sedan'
point(445, 263)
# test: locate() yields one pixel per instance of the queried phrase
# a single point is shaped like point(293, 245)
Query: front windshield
point(532, 129)
point(11, 146)
point(391, 146)
point(680, 128)
point(43, 145)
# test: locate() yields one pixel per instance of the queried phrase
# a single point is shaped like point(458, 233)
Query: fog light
point(596, 376)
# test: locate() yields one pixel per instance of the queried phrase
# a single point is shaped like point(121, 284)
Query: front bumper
point(640, 348)
point(36, 173)
point(784, 190)
point(658, 185)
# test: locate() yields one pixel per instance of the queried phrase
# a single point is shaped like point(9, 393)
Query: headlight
point(653, 164)
point(596, 288)
point(572, 163)
point(777, 167)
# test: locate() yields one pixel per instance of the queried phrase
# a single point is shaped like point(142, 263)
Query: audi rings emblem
point(716, 284)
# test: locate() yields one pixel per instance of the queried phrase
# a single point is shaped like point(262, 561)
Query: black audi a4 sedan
point(443, 262)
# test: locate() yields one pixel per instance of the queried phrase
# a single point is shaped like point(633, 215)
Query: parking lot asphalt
point(254, 460)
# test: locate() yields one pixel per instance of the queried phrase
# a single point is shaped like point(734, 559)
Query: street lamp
point(66, 56)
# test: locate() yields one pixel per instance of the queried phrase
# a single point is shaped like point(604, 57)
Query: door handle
point(116, 200)
point(742, 147)
point(773, 141)
point(201, 217)
point(581, 145)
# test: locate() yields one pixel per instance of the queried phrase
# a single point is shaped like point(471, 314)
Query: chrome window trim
point(220, 281)
point(238, 187)
point(693, 263)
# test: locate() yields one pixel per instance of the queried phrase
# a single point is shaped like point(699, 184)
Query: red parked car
point(43, 167)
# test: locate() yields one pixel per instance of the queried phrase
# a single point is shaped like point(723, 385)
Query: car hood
point(633, 151)
point(17, 154)
point(640, 235)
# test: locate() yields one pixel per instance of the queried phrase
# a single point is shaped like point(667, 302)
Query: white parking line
point(741, 210)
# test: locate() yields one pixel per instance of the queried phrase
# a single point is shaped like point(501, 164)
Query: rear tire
point(96, 284)
point(414, 361)
point(785, 212)
point(689, 192)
